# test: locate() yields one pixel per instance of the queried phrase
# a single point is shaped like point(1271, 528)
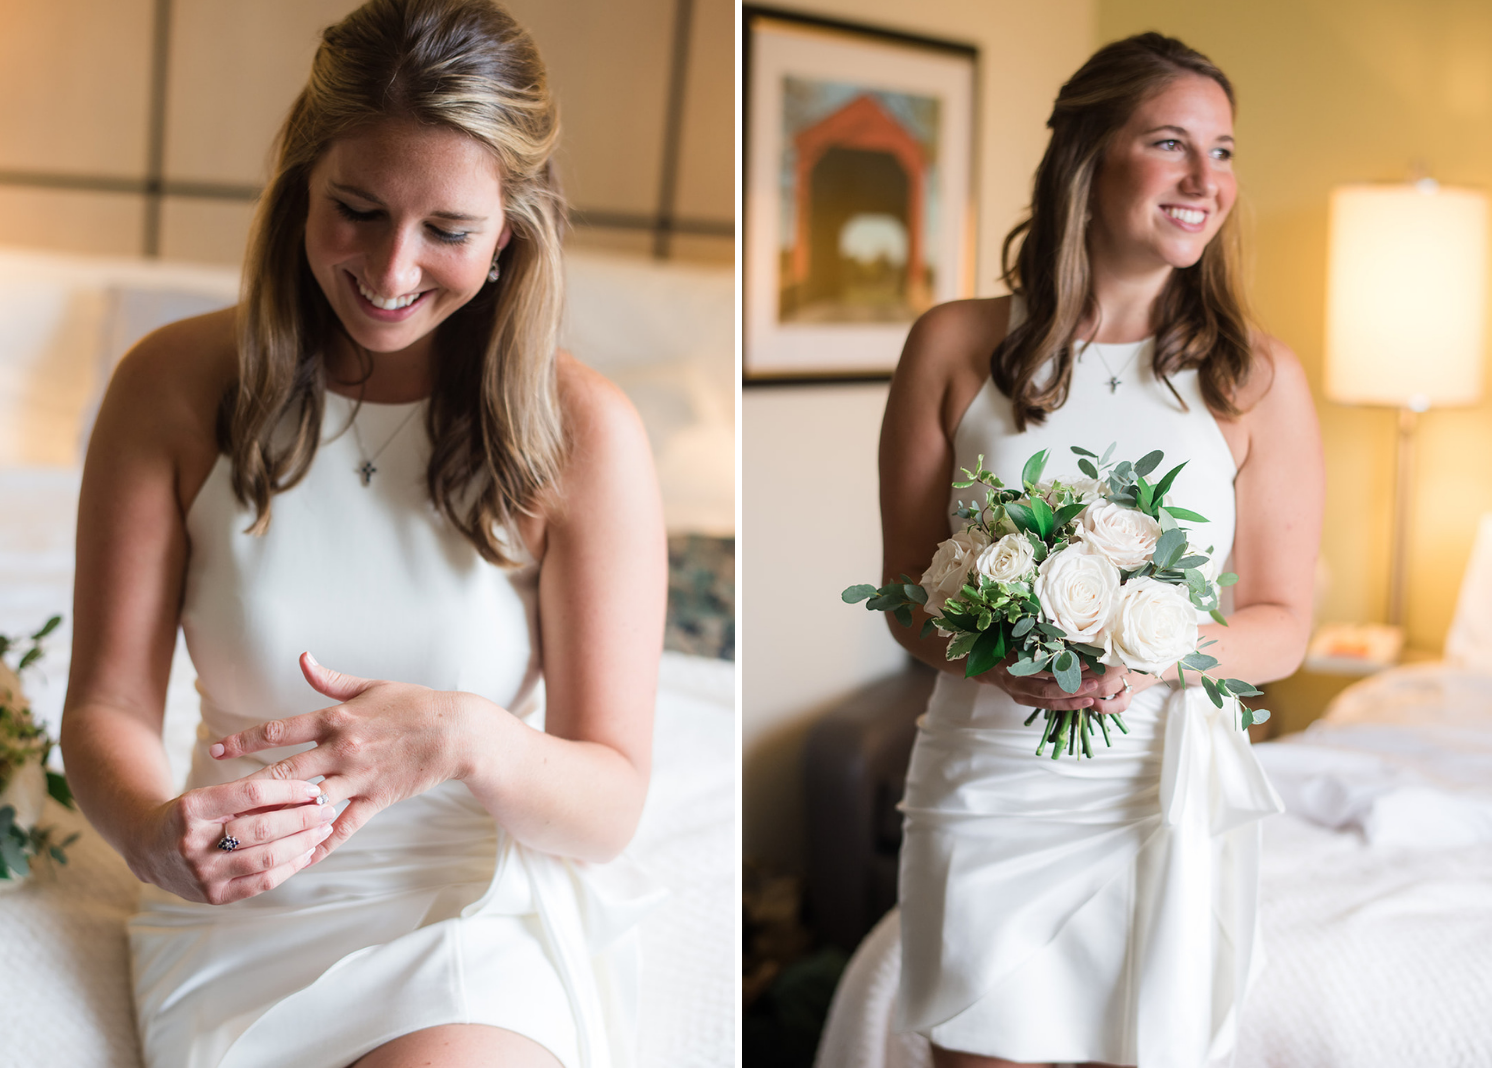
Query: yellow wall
point(1341, 91)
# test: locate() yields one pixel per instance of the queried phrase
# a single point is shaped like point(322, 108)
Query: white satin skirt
point(427, 916)
point(1096, 909)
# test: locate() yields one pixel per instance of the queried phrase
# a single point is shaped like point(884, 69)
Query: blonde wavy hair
point(1200, 318)
point(493, 418)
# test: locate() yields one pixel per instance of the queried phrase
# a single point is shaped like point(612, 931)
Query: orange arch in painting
point(860, 124)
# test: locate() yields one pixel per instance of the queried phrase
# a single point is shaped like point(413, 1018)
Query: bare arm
point(578, 788)
point(1278, 498)
point(150, 446)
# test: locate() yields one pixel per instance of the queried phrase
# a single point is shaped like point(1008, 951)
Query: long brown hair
point(1199, 318)
point(493, 417)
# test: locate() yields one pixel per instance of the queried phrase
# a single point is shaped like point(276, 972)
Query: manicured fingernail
point(313, 789)
point(216, 750)
point(306, 858)
point(325, 832)
point(312, 660)
point(328, 814)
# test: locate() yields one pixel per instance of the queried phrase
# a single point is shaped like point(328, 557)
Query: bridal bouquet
point(1068, 573)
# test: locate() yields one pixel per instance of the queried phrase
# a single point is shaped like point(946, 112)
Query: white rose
point(1008, 560)
point(950, 568)
point(1077, 591)
point(1153, 627)
point(1123, 535)
point(1084, 489)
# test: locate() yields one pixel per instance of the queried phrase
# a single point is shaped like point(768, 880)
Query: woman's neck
point(379, 377)
point(1123, 301)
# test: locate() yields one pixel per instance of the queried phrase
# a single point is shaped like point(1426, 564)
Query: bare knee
point(459, 1046)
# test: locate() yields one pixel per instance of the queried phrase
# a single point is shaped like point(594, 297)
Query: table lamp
point(1408, 284)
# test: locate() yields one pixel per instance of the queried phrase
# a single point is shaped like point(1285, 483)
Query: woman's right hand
point(1042, 691)
point(277, 823)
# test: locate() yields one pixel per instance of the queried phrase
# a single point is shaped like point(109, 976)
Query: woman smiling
point(380, 456)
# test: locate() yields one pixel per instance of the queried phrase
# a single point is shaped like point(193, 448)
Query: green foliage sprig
point(22, 740)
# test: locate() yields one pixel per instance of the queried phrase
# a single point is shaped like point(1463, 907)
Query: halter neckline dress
point(430, 914)
point(1085, 910)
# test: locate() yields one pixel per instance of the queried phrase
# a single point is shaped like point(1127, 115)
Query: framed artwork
point(858, 185)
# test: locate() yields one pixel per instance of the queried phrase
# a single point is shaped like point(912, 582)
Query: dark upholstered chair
point(854, 774)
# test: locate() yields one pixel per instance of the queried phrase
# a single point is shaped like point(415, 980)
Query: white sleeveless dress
point(1085, 910)
point(430, 914)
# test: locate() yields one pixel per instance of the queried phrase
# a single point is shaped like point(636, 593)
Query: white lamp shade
point(1408, 280)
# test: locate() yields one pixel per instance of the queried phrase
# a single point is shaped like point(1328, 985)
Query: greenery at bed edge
point(23, 741)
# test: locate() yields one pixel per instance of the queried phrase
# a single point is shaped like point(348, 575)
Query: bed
point(664, 332)
point(1375, 883)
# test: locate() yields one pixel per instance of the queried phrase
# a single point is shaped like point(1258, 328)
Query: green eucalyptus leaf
point(928, 627)
point(31, 657)
point(1170, 542)
point(1241, 689)
point(1076, 451)
point(1068, 671)
point(1028, 667)
point(1229, 578)
point(1198, 662)
point(1212, 691)
point(1260, 715)
point(1048, 629)
point(1191, 561)
point(1184, 513)
point(1025, 624)
point(1218, 617)
point(855, 594)
point(903, 614)
point(1088, 468)
point(1146, 464)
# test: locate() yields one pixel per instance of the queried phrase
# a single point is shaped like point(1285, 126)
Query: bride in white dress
point(379, 459)
point(1102, 910)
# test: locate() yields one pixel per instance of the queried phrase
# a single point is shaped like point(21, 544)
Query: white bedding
point(1375, 895)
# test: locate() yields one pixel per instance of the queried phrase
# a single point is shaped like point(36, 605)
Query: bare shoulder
point(608, 452)
point(949, 337)
point(169, 385)
point(595, 411)
point(947, 356)
point(1277, 379)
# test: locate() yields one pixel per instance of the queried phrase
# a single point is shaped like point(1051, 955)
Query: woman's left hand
point(383, 742)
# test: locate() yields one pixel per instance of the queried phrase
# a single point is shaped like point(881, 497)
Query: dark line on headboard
point(156, 126)
point(671, 149)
